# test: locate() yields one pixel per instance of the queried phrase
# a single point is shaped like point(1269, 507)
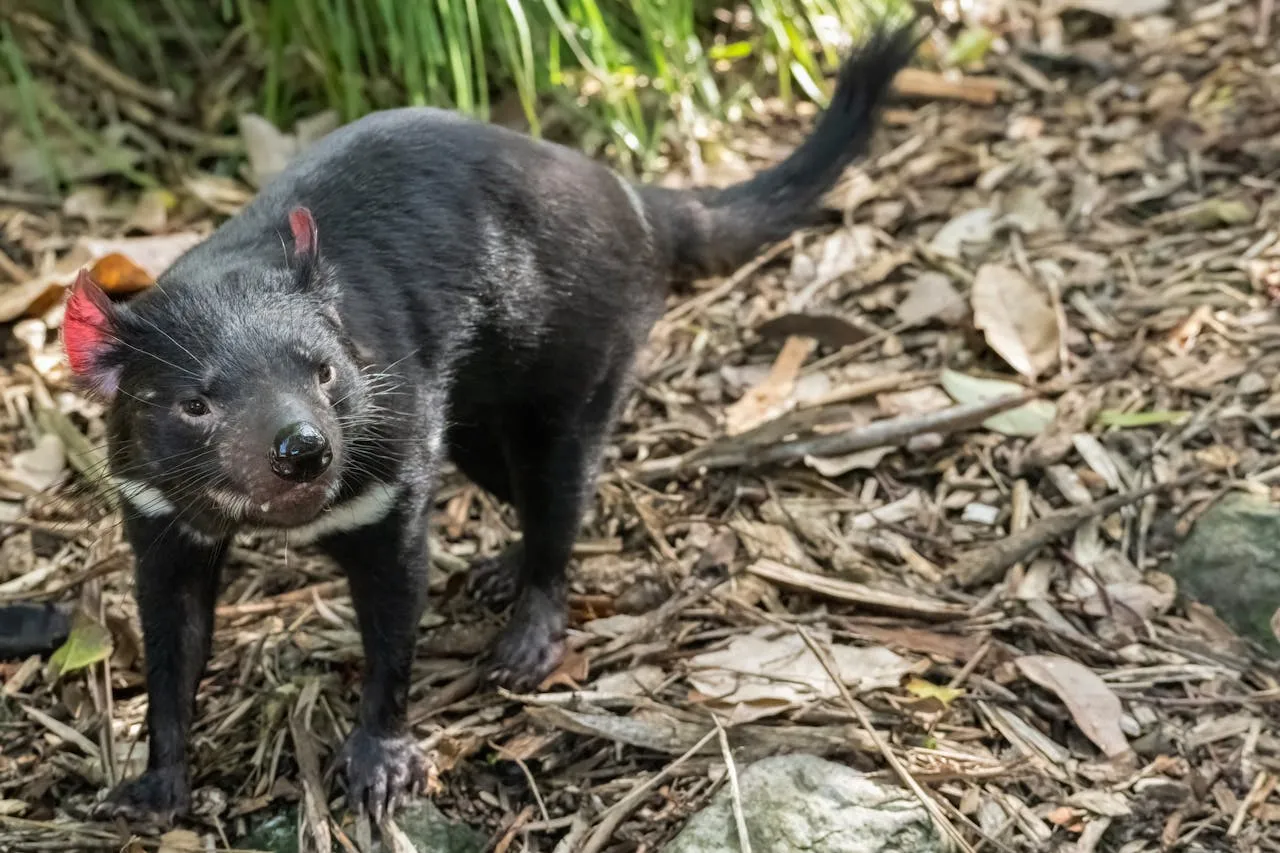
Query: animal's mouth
point(293, 506)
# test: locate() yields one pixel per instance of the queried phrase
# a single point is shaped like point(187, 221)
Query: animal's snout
point(300, 452)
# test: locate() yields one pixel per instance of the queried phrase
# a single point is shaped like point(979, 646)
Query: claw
point(156, 795)
point(380, 771)
point(532, 645)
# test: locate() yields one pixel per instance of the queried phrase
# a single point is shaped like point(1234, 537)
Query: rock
point(421, 822)
point(1231, 562)
point(795, 803)
point(432, 832)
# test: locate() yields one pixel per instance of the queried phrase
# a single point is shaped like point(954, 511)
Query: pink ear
point(86, 333)
point(303, 226)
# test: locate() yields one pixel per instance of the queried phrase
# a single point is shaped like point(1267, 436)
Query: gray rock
point(805, 804)
point(1231, 562)
point(432, 832)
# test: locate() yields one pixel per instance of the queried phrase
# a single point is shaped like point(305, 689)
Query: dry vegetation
point(805, 482)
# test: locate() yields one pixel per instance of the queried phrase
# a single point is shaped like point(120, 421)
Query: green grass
point(623, 75)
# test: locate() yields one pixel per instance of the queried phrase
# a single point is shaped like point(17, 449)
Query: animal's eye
point(325, 374)
point(195, 407)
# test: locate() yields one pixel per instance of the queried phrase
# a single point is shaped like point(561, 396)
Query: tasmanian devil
point(415, 287)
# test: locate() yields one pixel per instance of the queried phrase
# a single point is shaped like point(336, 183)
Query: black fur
point(473, 292)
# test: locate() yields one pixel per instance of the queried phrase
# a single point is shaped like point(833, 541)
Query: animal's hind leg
point(554, 460)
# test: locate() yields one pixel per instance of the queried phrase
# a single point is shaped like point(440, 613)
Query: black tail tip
point(887, 46)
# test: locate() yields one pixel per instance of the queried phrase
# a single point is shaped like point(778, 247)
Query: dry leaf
point(769, 672)
point(1016, 318)
point(180, 841)
point(835, 466)
point(117, 274)
point(932, 295)
point(973, 227)
point(572, 671)
point(828, 329)
point(1093, 706)
point(924, 689)
point(1029, 419)
point(153, 255)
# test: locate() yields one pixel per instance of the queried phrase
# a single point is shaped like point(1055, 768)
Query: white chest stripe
point(146, 500)
point(369, 507)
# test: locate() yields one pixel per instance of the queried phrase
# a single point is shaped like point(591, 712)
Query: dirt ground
point(807, 480)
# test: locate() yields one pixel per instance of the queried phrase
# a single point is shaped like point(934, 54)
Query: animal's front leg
point(176, 587)
point(386, 566)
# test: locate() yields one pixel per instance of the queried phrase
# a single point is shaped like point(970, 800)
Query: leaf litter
point(1091, 255)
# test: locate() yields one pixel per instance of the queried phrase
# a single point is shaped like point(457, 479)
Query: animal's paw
point(532, 645)
point(382, 772)
point(156, 796)
point(495, 581)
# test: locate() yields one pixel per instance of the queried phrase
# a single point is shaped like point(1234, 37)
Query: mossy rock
point(1231, 562)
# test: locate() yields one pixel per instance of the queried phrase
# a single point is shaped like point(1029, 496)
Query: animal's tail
point(714, 231)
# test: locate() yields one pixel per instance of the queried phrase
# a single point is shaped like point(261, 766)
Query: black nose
point(300, 452)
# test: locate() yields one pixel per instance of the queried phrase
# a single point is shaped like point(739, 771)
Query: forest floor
point(799, 485)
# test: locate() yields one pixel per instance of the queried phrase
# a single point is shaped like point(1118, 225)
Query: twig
point(939, 818)
point(281, 601)
point(891, 431)
point(919, 83)
point(735, 793)
point(991, 562)
point(616, 813)
point(533, 786)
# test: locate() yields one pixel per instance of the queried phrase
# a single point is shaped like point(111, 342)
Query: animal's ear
point(309, 273)
point(89, 334)
point(306, 238)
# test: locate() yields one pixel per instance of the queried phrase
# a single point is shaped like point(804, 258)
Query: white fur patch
point(147, 500)
point(150, 502)
point(368, 507)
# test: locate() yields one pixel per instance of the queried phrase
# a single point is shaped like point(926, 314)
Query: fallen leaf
point(117, 274)
point(572, 671)
point(836, 466)
point(829, 330)
point(917, 401)
point(269, 149)
point(1026, 209)
point(973, 227)
point(92, 204)
point(42, 465)
point(1016, 319)
point(153, 255)
point(1029, 419)
point(924, 689)
point(180, 841)
point(932, 295)
point(151, 213)
point(1123, 420)
point(644, 679)
point(88, 643)
point(768, 672)
point(1210, 213)
point(970, 46)
point(844, 251)
point(1092, 705)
